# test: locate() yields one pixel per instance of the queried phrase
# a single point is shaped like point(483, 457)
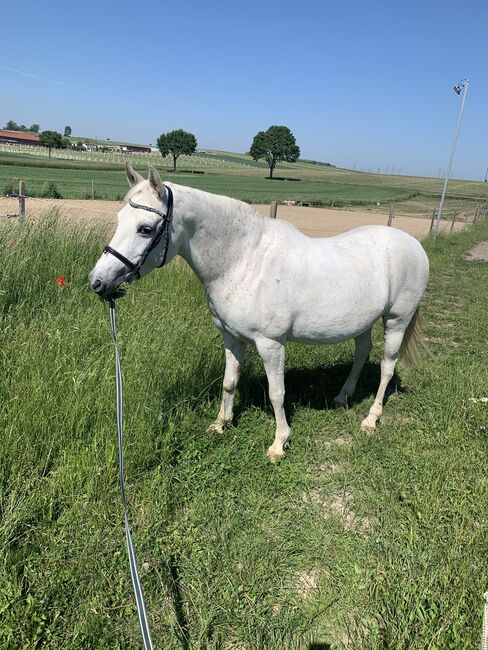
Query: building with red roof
point(20, 137)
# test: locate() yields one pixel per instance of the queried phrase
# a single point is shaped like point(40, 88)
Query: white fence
point(197, 161)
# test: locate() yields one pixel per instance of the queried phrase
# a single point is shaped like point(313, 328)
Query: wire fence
point(454, 218)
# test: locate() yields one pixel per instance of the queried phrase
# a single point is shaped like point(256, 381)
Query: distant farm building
point(20, 137)
point(135, 148)
point(121, 147)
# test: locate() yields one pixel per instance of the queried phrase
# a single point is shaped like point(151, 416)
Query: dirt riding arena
point(314, 222)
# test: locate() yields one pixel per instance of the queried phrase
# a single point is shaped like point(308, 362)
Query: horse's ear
point(132, 176)
point(155, 182)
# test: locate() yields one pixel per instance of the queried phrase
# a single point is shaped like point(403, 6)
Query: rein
point(162, 230)
point(136, 584)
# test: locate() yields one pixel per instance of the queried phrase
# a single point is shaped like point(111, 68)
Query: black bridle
point(163, 229)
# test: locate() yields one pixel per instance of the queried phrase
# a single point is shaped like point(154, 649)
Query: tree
point(12, 126)
point(275, 145)
point(176, 143)
point(67, 131)
point(34, 128)
point(51, 139)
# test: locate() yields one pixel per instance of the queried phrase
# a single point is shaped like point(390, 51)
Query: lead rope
point(136, 583)
point(484, 633)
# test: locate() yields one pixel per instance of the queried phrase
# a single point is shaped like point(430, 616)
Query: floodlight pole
point(462, 85)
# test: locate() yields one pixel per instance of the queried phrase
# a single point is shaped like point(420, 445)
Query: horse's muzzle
point(108, 290)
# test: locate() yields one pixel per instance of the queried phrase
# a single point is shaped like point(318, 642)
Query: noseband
point(163, 229)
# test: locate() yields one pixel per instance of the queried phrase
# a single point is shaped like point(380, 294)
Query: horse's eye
point(144, 230)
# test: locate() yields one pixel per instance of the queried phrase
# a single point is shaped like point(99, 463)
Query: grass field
point(111, 184)
point(352, 541)
point(232, 174)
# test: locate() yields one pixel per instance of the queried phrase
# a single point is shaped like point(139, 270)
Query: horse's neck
point(218, 233)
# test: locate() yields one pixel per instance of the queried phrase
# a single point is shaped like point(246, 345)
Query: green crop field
point(109, 184)
point(351, 541)
point(81, 175)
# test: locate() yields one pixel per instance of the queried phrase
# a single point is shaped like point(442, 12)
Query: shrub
point(10, 187)
point(50, 191)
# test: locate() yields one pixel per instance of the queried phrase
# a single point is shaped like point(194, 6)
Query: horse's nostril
point(96, 284)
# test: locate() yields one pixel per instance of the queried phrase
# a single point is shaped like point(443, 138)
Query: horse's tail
point(413, 341)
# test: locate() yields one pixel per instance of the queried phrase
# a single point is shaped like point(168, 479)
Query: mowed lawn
point(351, 541)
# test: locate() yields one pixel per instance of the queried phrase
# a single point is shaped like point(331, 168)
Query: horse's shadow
point(314, 388)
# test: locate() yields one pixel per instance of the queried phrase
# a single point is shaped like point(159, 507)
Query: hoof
point(368, 425)
point(216, 427)
point(274, 455)
point(339, 402)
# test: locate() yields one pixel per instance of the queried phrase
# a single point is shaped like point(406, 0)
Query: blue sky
point(361, 84)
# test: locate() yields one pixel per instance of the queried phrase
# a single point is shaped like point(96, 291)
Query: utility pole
point(458, 88)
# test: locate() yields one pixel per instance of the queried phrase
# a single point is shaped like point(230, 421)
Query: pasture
point(76, 183)
point(86, 175)
point(352, 541)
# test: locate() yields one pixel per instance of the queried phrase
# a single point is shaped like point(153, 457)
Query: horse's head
point(143, 240)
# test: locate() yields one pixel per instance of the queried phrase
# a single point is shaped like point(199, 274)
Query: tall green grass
point(351, 541)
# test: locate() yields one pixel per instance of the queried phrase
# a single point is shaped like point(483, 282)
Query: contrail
point(36, 76)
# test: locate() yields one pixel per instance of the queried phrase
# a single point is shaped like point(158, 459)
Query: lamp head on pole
point(460, 85)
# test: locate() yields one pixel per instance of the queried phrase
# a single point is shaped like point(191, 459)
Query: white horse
point(266, 283)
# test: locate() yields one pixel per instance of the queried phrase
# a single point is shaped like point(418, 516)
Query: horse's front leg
point(273, 355)
point(234, 356)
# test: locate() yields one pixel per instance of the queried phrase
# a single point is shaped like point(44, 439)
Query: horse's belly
point(317, 326)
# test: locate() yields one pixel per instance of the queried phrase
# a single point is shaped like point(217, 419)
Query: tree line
point(33, 128)
point(13, 126)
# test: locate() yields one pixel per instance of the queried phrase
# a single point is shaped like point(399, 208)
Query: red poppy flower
point(60, 281)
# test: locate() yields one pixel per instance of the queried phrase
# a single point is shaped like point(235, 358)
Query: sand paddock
point(314, 222)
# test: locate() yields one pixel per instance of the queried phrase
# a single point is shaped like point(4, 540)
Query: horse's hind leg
point(234, 356)
point(361, 354)
point(273, 355)
point(394, 332)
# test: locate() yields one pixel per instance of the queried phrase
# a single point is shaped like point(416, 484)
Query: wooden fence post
point(453, 220)
point(476, 213)
point(273, 209)
point(21, 200)
point(390, 215)
point(432, 221)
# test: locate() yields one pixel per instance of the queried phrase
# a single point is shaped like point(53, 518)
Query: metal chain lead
point(484, 633)
point(136, 584)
